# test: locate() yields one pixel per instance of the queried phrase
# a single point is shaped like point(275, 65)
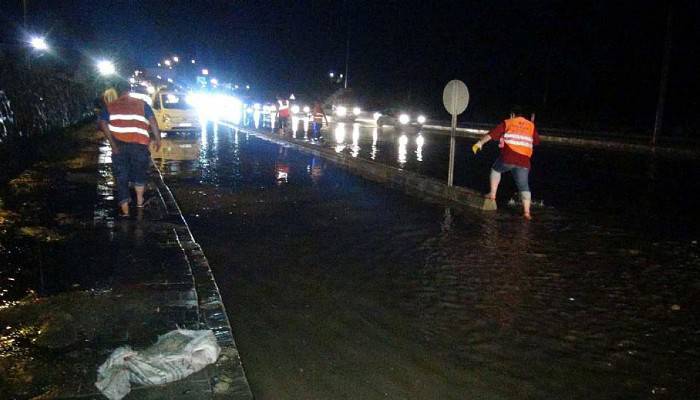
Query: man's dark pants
point(130, 165)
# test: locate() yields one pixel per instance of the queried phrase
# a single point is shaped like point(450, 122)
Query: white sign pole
point(455, 98)
point(450, 172)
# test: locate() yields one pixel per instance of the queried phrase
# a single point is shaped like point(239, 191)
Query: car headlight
point(421, 119)
point(341, 111)
point(295, 109)
point(376, 116)
point(307, 109)
point(404, 119)
point(356, 111)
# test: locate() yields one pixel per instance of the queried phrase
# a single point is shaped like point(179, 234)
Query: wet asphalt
point(341, 288)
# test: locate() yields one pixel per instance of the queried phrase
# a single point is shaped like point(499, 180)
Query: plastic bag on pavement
point(175, 355)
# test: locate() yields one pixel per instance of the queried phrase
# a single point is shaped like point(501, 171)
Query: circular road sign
point(455, 97)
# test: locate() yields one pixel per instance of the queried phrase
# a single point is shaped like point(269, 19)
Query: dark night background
point(587, 64)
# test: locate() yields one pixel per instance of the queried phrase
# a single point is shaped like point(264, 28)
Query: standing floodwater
point(342, 288)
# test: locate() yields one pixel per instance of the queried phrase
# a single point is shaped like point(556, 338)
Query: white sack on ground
point(176, 355)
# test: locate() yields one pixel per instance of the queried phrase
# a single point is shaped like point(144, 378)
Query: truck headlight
point(404, 119)
point(421, 119)
point(356, 111)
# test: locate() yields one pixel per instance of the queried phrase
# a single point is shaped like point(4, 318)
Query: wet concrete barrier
point(407, 181)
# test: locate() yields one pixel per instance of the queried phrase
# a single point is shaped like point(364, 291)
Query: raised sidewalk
point(77, 282)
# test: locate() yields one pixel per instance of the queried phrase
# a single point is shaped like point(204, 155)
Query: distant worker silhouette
point(318, 117)
point(516, 137)
point(282, 115)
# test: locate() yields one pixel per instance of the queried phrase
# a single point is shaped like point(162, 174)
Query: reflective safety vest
point(127, 120)
point(519, 135)
point(318, 114)
point(284, 108)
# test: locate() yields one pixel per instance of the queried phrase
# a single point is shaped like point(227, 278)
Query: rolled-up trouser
point(130, 165)
point(520, 176)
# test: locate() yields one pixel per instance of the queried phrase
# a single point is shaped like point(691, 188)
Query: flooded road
point(631, 190)
point(341, 288)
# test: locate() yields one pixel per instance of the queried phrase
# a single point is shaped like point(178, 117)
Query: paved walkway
point(78, 282)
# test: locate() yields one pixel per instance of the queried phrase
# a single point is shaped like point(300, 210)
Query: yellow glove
point(476, 147)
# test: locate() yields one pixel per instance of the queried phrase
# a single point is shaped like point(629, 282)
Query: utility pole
point(347, 58)
point(347, 42)
point(663, 83)
point(24, 26)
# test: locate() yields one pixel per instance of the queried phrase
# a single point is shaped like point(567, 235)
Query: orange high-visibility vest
point(318, 114)
point(519, 135)
point(283, 108)
point(127, 120)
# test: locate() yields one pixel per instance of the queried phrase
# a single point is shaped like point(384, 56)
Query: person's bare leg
point(124, 206)
point(494, 180)
point(526, 198)
point(139, 195)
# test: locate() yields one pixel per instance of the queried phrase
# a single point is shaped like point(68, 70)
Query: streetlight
point(167, 62)
point(205, 71)
point(331, 75)
point(176, 59)
point(106, 68)
point(214, 81)
point(192, 60)
point(39, 43)
point(247, 87)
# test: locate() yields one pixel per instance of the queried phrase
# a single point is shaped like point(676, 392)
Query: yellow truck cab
point(174, 113)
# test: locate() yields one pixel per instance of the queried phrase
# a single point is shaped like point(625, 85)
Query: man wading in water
point(126, 123)
point(516, 137)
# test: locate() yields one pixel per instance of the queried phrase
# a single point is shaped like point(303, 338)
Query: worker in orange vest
point(282, 114)
point(318, 117)
point(126, 123)
point(516, 137)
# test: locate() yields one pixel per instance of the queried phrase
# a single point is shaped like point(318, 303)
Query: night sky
point(576, 63)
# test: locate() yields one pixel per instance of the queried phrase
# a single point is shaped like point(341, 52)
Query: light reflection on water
point(403, 141)
point(339, 137)
point(355, 149)
point(420, 140)
point(352, 277)
point(375, 137)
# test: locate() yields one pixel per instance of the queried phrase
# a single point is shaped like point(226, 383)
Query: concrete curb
point(227, 377)
point(410, 182)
